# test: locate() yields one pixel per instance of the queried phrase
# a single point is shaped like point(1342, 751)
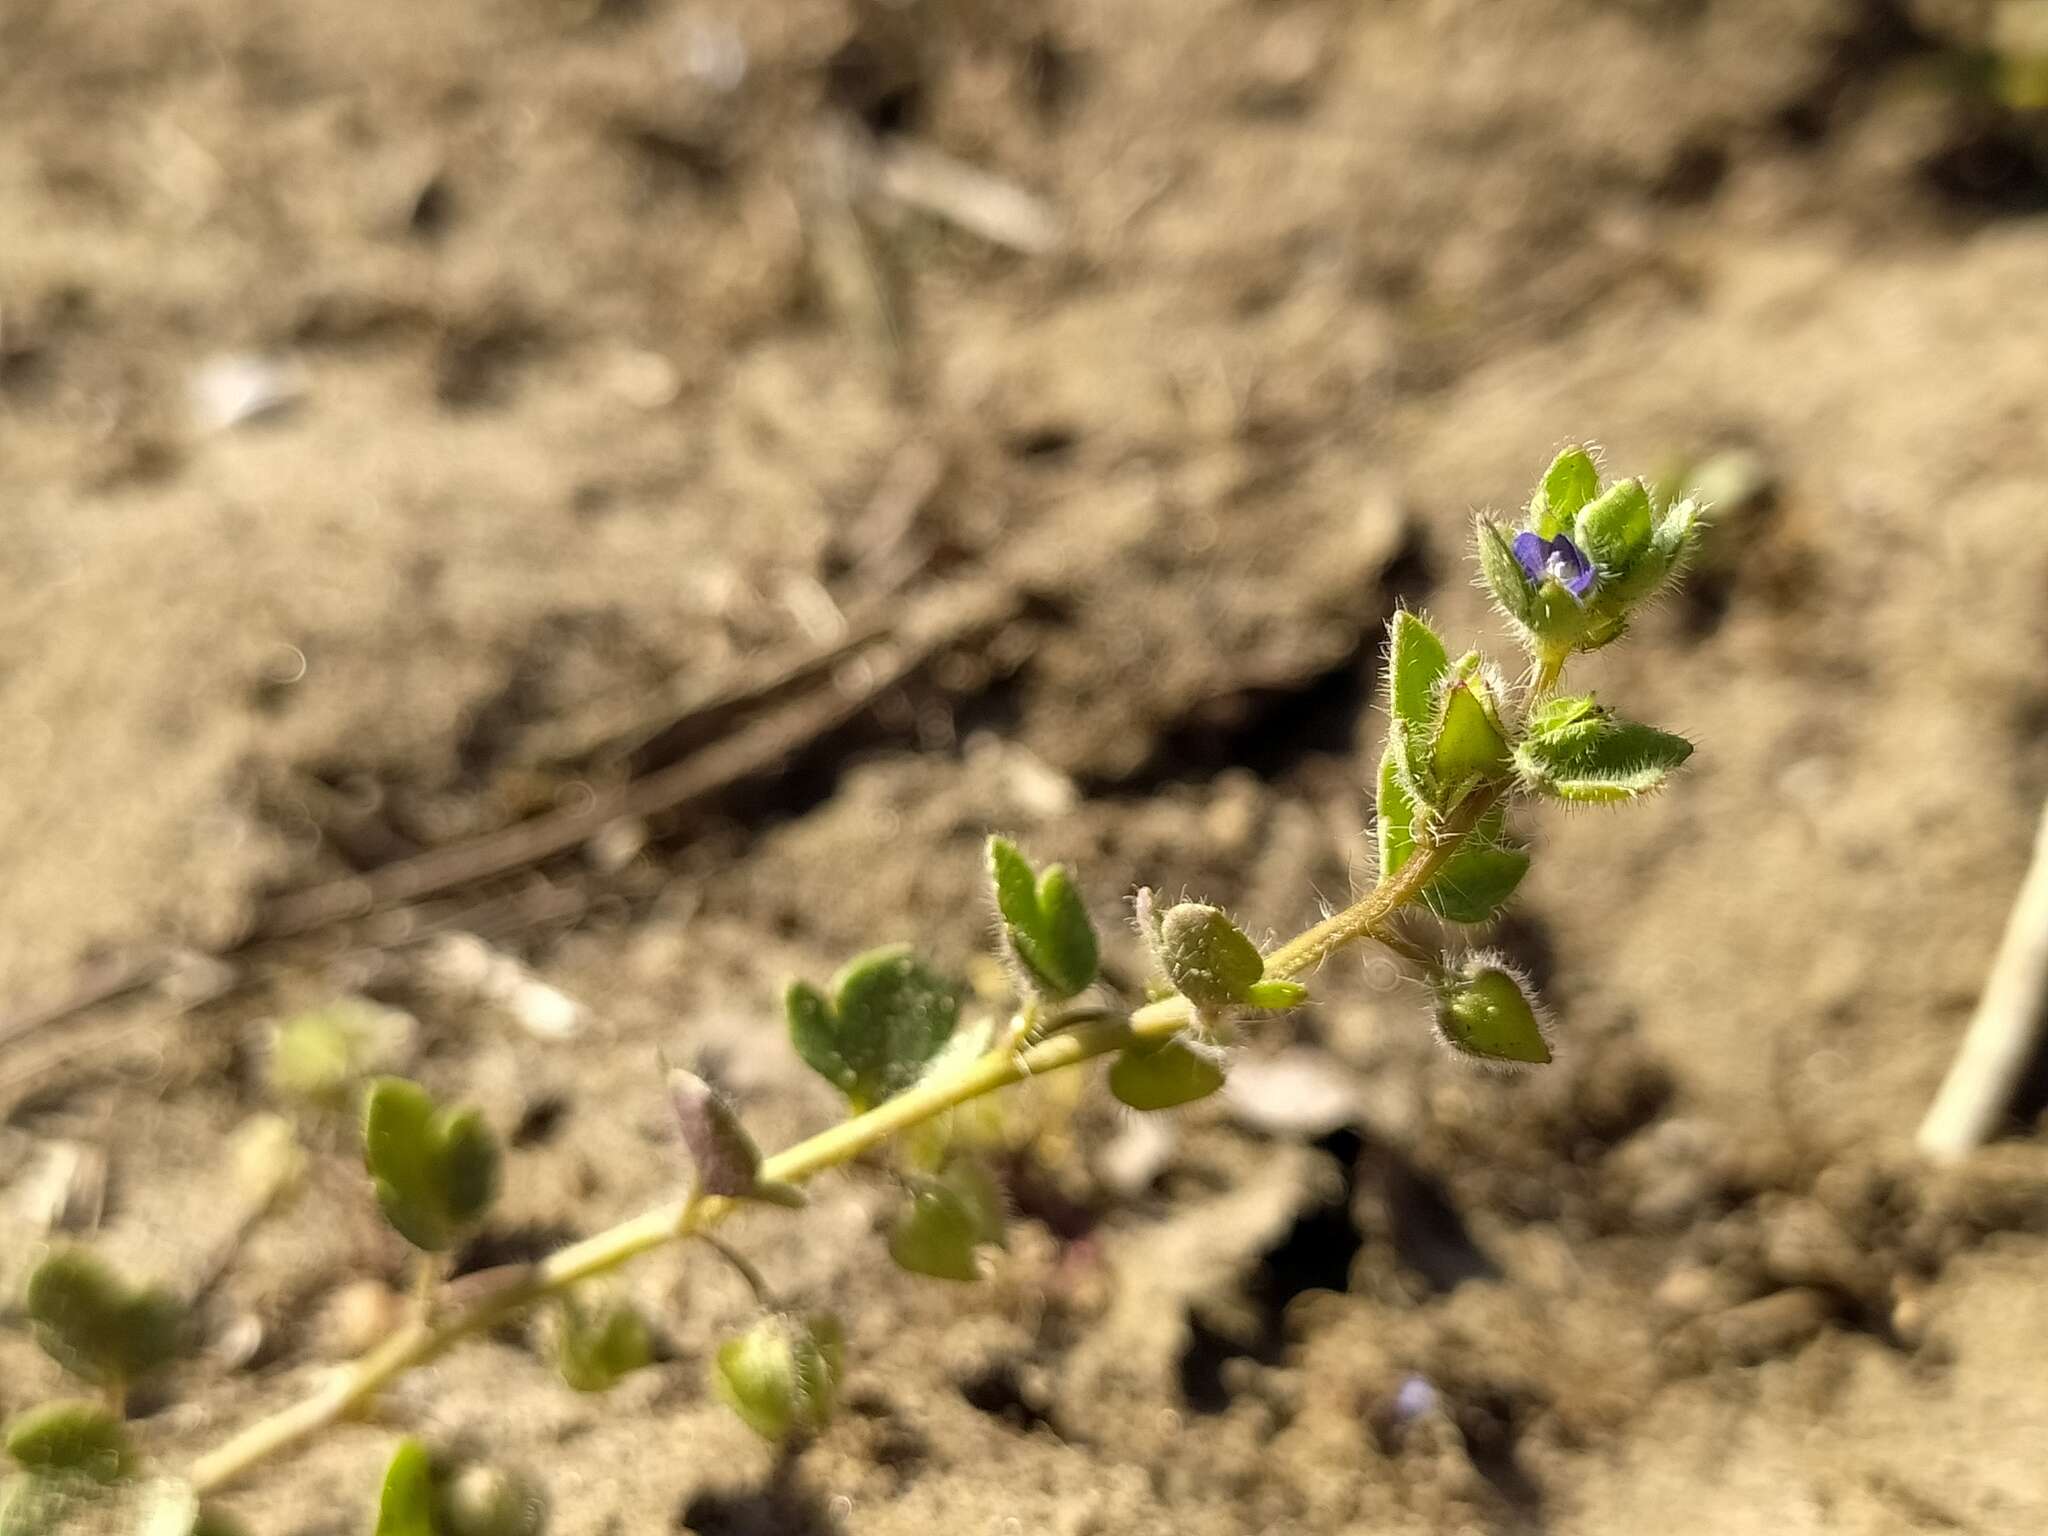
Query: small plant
point(1464, 744)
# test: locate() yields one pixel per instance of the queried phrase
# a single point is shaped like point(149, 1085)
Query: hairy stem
point(1368, 918)
point(479, 1302)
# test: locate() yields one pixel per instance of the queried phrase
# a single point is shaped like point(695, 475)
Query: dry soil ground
point(628, 362)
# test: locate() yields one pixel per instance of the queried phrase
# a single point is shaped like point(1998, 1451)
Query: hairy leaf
point(1044, 923)
point(1476, 881)
point(887, 1018)
point(95, 1324)
point(1572, 480)
point(1574, 750)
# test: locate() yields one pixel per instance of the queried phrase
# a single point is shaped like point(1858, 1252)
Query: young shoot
point(1464, 746)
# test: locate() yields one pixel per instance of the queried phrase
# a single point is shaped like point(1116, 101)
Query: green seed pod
point(1485, 1011)
point(782, 1375)
point(483, 1500)
point(1206, 956)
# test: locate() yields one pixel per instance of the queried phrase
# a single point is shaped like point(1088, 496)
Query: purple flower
point(1557, 560)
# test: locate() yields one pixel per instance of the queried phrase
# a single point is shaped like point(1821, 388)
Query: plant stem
point(1368, 918)
point(482, 1301)
point(742, 1266)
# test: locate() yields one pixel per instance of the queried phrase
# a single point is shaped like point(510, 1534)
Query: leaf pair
point(436, 1170)
point(1045, 927)
point(884, 1020)
point(97, 1325)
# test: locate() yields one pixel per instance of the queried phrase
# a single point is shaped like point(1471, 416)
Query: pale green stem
point(1368, 918)
point(485, 1300)
point(742, 1266)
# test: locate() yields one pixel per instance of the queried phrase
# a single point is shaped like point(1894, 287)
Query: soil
point(609, 364)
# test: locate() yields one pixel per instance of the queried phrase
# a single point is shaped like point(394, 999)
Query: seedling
point(1464, 744)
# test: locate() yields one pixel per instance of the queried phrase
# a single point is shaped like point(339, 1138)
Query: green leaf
point(1486, 1013)
point(1466, 740)
point(597, 1347)
point(1614, 531)
point(1394, 819)
point(406, 1505)
point(887, 1018)
point(1503, 577)
point(97, 1326)
point(946, 1220)
point(1416, 667)
point(1044, 922)
point(1478, 878)
point(1572, 480)
point(1276, 996)
point(1164, 1076)
point(1477, 882)
point(80, 1437)
point(436, 1171)
point(1574, 750)
point(782, 1375)
point(1206, 956)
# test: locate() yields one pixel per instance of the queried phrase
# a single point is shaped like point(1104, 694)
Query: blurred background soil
point(766, 446)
